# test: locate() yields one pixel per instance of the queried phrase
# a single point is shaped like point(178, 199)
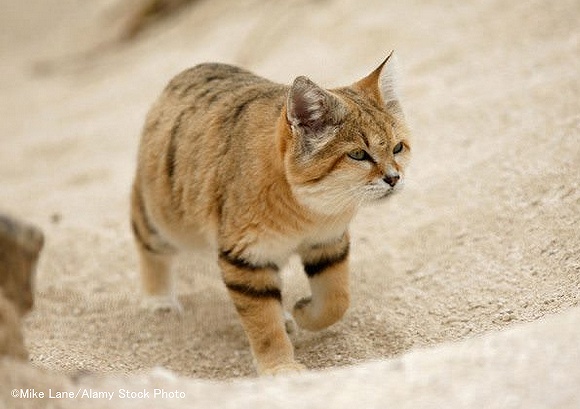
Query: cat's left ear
point(381, 84)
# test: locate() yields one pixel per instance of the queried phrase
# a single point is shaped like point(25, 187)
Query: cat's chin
point(380, 197)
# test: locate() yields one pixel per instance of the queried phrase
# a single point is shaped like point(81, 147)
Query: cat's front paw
point(162, 304)
point(302, 313)
point(283, 369)
point(315, 316)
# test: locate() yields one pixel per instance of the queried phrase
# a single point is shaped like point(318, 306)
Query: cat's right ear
point(311, 109)
point(381, 84)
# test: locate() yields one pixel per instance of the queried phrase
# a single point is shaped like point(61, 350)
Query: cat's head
point(346, 146)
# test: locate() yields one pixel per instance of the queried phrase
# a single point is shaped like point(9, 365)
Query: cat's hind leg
point(157, 282)
point(326, 266)
point(155, 260)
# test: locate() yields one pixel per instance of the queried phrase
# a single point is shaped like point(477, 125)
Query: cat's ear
point(311, 108)
point(381, 84)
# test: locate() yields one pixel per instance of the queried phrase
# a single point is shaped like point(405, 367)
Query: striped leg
point(327, 268)
point(255, 292)
point(155, 257)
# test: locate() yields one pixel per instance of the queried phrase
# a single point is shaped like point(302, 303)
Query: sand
point(484, 237)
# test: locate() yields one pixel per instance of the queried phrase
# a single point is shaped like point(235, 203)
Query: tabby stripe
point(250, 99)
point(211, 78)
point(313, 269)
point(142, 240)
point(211, 95)
point(151, 127)
point(170, 158)
point(250, 291)
point(185, 90)
point(242, 107)
point(239, 262)
point(144, 216)
point(365, 139)
point(148, 226)
point(214, 97)
point(200, 84)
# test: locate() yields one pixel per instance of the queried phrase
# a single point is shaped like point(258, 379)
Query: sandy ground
point(486, 234)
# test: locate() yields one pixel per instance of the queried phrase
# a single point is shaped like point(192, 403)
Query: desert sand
point(465, 285)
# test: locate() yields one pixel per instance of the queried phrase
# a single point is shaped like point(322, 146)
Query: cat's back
point(209, 86)
point(214, 101)
point(215, 76)
point(209, 105)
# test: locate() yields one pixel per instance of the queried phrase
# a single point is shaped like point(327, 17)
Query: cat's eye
point(358, 154)
point(398, 148)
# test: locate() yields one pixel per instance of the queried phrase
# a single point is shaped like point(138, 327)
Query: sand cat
point(261, 171)
point(20, 246)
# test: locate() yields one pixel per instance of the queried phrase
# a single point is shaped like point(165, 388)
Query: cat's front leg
point(326, 266)
point(255, 292)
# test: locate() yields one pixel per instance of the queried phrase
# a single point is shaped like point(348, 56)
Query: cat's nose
point(392, 178)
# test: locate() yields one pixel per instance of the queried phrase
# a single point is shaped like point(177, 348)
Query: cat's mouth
point(387, 194)
point(377, 195)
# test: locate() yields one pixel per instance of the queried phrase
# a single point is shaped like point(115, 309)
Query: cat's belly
point(190, 235)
